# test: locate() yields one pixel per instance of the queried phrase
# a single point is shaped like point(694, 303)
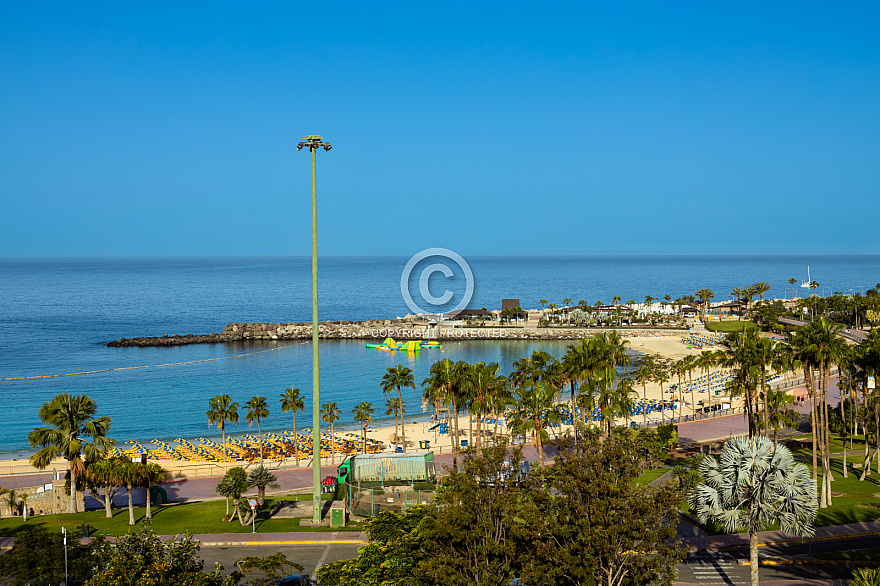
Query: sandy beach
point(418, 424)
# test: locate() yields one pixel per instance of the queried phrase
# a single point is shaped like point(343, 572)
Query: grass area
point(859, 500)
point(870, 554)
point(730, 326)
point(175, 519)
point(650, 475)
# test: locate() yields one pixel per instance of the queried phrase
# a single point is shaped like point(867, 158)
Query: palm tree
point(395, 378)
point(705, 296)
point(791, 282)
point(257, 410)
point(543, 302)
point(260, 477)
point(72, 420)
point(552, 308)
point(705, 361)
point(232, 486)
point(760, 288)
point(643, 373)
point(363, 412)
point(661, 375)
point(220, 410)
point(534, 406)
point(754, 486)
point(330, 415)
point(392, 407)
point(779, 413)
point(130, 475)
point(149, 475)
point(567, 302)
point(440, 389)
point(104, 473)
point(291, 401)
point(486, 382)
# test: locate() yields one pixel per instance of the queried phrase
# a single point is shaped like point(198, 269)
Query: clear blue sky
point(155, 129)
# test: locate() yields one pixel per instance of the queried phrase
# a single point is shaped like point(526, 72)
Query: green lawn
point(650, 475)
point(203, 517)
point(730, 326)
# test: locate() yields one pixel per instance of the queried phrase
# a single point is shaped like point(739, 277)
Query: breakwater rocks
point(373, 330)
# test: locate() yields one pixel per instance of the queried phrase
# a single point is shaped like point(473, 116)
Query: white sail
point(806, 284)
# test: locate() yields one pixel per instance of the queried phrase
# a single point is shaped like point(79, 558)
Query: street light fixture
point(313, 143)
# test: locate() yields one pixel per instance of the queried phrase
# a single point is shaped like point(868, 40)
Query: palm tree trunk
point(260, 430)
point(765, 390)
point(455, 440)
point(108, 501)
point(149, 513)
point(753, 558)
point(130, 506)
point(223, 433)
point(830, 476)
point(402, 428)
point(295, 438)
point(538, 442)
point(332, 446)
point(808, 379)
point(72, 489)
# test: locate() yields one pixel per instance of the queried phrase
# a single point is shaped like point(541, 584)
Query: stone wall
point(378, 330)
point(50, 502)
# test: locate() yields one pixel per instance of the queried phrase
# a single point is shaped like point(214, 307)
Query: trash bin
point(85, 531)
point(400, 450)
point(464, 443)
point(424, 444)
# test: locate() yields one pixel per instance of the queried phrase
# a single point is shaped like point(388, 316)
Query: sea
point(57, 315)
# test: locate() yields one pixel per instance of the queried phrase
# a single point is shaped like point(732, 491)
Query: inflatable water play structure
point(410, 346)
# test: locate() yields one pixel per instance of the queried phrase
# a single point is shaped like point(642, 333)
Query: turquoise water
point(57, 316)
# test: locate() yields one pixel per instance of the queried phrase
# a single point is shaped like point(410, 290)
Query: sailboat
point(806, 284)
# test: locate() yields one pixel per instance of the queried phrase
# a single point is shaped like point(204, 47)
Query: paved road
point(722, 568)
point(310, 556)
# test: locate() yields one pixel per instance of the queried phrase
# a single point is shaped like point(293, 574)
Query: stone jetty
point(376, 330)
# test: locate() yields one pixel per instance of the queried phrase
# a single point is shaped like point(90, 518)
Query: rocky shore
point(375, 330)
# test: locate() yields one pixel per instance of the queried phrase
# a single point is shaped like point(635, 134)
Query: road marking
point(322, 560)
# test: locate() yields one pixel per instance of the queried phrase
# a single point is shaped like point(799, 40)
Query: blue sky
point(160, 129)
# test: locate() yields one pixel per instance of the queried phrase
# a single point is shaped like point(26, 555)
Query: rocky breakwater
point(239, 332)
point(380, 329)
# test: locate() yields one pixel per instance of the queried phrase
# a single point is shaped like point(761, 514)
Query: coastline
point(381, 329)
point(417, 422)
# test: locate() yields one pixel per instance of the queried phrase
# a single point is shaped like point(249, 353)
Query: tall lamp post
point(313, 143)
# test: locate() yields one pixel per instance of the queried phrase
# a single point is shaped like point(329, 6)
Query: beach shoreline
point(417, 424)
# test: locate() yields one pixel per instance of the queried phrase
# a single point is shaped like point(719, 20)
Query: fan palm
point(72, 420)
point(220, 410)
point(257, 410)
point(396, 378)
point(291, 401)
point(752, 486)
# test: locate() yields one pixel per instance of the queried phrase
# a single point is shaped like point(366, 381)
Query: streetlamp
point(313, 143)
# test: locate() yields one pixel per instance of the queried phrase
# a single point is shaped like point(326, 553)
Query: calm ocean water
point(58, 314)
